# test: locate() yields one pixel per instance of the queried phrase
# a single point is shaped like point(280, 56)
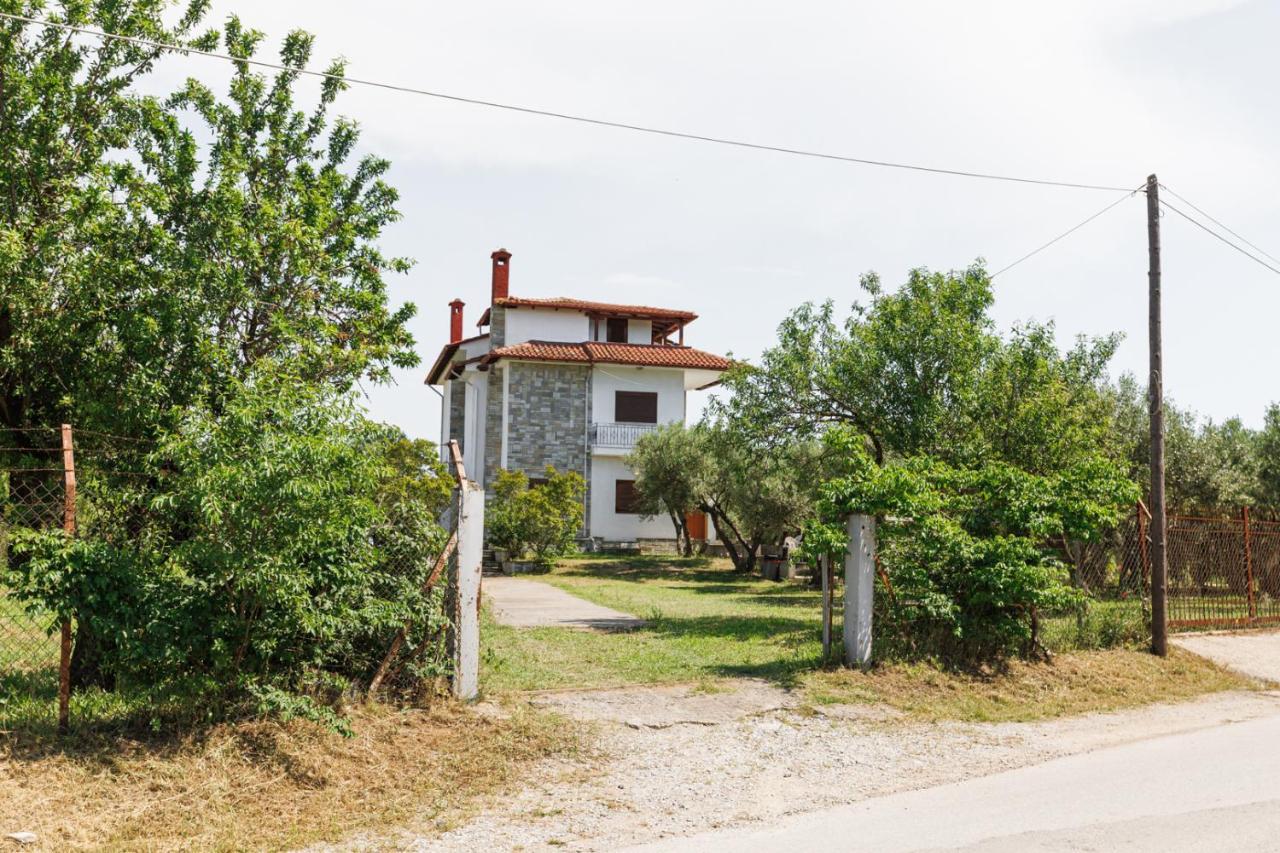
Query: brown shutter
point(624, 497)
point(635, 407)
point(616, 330)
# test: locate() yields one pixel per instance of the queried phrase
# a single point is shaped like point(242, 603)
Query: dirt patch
point(665, 706)
point(761, 755)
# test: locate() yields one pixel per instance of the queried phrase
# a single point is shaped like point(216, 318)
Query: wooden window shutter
point(635, 407)
point(616, 330)
point(624, 497)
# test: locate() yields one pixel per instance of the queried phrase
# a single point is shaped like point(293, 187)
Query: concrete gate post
point(859, 587)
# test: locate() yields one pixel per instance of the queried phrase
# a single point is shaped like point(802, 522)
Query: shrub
point(542, 520)
point(966, 549)
point(277, 545)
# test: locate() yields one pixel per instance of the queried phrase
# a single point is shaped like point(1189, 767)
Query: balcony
point(619, 436)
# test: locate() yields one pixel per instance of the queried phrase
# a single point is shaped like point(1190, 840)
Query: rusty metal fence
point(1224, 572)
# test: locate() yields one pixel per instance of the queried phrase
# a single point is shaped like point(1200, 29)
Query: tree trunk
point(741, 552)
point(87, 668)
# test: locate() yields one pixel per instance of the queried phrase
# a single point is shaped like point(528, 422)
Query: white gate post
point(859, 587)
point(466, 652)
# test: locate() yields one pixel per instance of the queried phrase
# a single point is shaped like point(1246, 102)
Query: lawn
point(707, 623)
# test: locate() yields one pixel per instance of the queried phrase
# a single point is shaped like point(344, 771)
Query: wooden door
point(697, 524)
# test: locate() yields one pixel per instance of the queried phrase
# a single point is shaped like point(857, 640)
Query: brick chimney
point(455, 320)
point(501, 274)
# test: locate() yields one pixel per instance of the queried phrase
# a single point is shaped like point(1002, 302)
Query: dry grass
point(264, 785)
point(1077, 683)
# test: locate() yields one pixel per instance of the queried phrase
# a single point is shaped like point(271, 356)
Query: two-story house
point(569, 383)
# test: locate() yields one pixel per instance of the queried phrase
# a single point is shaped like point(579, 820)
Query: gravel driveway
point(1254, 654)
point(678, 761)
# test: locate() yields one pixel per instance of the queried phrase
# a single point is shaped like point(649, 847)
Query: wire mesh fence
point(33, 496)
point(1223, 572)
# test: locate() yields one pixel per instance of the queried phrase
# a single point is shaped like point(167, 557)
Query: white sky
point(1097, 92)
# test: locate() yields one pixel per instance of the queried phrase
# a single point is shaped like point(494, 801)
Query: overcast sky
point(1096, 92)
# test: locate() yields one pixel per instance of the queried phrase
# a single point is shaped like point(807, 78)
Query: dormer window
point(616, 330)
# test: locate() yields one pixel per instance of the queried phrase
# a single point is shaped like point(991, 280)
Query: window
point(535, 482)
point(624, 497)
point(616, 330)
point(635, 407)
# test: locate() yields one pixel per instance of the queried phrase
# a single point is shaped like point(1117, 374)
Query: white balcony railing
point(619, 435)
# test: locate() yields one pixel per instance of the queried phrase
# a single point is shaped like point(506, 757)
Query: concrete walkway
point(524, 603)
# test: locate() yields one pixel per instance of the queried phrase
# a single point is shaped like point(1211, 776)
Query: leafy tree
point(1268, 458)
point(77, 304)
point(893, 371)
point(756, 495)
point(1208, 467)
point(922, 371)
point(667, 464)
point(155, 249)
point(1037, 408)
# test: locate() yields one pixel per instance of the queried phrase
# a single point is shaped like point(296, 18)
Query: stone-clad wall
point(497, 327)
point(493, 428)
point(547, 419)
point(457, 411)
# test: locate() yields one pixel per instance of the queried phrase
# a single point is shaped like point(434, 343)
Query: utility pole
point(1155, 390)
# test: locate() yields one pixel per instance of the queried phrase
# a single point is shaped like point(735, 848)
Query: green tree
point(1268, 458)
point(155, 249)
point(278, 543)
point(756, 495)
point(667, 463)
point(922, 371)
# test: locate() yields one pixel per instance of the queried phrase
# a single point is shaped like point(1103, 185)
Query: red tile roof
point(598, 352)
point(646, 312)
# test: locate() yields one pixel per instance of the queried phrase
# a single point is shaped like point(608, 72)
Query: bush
point(277, 545)
point(543, 520)
point(967, 550)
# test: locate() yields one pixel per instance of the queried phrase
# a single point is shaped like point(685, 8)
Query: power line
point(618, 125)
point(1235, 234)
point(1068, 232)
point(1209, 230)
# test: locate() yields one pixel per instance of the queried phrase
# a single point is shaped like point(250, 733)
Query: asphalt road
point(1215, 789)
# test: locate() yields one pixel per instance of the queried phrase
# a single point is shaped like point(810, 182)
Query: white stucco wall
point(544, 324)
point(607, 379)
point(476, 401)
point(639, 331)
point(472, 349)
point(607, 524)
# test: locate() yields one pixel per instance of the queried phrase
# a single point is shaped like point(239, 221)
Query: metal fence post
point(824, 567)
point(69, 526)
point(1248, 565)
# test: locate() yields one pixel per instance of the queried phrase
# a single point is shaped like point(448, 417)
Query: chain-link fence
point(33, 496)
point(1224, 570)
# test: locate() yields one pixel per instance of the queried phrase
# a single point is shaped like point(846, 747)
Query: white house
point(569, 383)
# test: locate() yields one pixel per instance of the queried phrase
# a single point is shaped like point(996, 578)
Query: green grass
point(705, 622)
